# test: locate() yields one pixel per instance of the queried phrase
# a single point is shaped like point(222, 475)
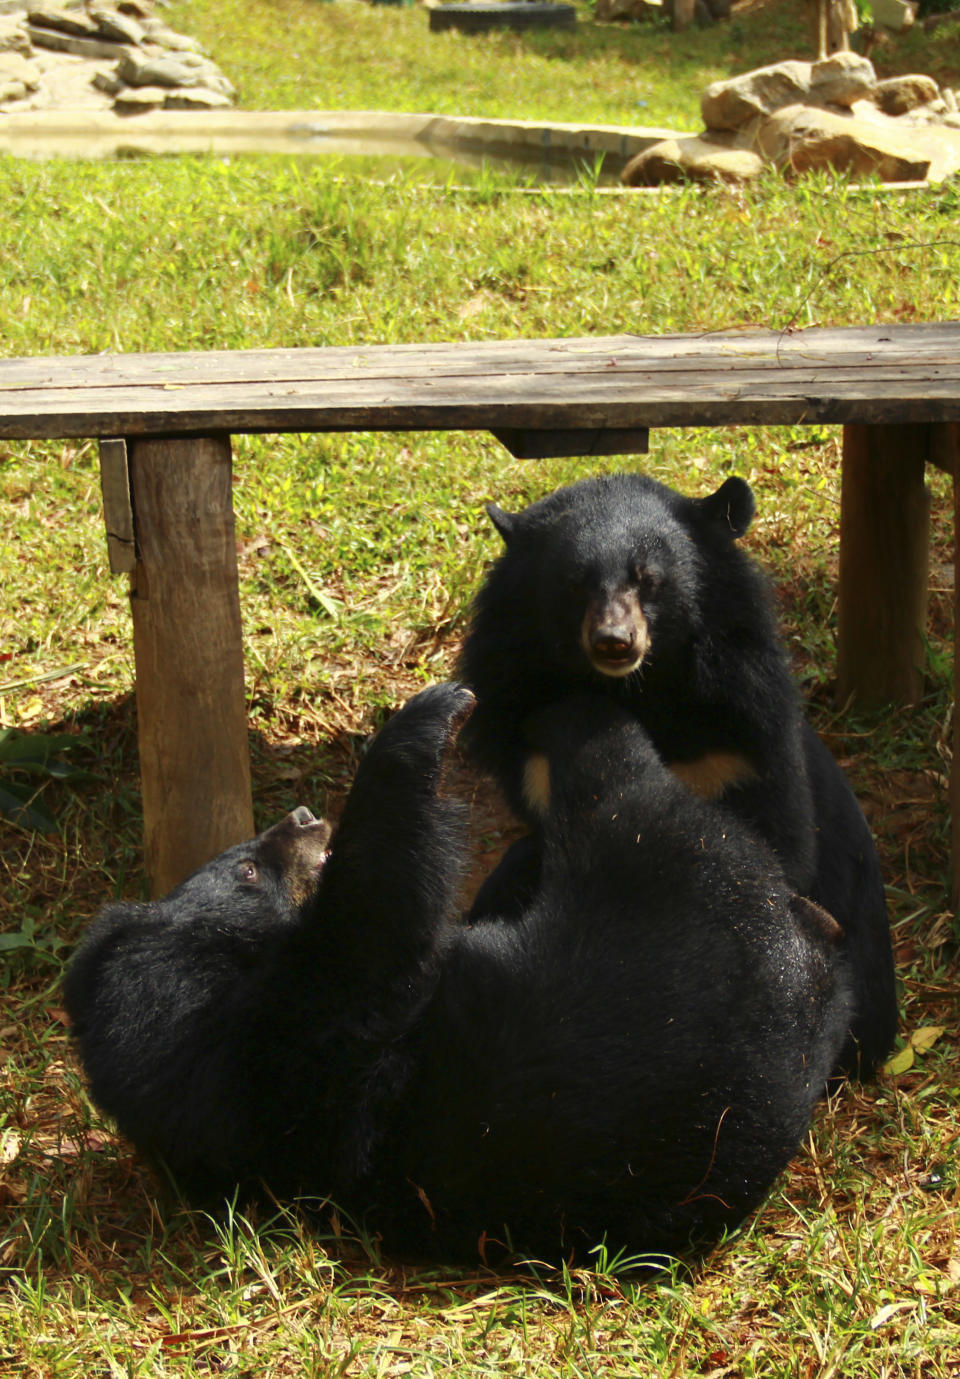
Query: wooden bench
point(165, 423)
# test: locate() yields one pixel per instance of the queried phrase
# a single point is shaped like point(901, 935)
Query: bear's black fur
point(633, 1060)
point(623, 585)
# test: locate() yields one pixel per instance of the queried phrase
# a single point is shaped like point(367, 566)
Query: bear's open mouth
point(310, 853)
point(616, 661)
point(615, 635)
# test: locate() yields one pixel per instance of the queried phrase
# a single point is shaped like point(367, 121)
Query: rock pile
point(798, 116)
point(99, 55)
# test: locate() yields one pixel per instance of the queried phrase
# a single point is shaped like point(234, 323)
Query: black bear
point(631, 1062)
point(622, 585)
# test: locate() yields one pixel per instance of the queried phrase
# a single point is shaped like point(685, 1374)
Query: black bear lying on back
point(634, 1059)
point(621, 585)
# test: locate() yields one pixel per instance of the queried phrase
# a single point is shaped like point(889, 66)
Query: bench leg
point(191, 713)
point(884, 541)
point(950, 457)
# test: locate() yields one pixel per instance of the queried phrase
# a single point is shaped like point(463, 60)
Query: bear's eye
point(648, 580)
point(248, 873)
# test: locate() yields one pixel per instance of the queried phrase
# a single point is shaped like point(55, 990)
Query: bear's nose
point(302, 816)
point(614, 644)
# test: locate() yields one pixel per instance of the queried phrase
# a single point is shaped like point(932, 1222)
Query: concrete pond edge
point(67, 132)
point(82, 132)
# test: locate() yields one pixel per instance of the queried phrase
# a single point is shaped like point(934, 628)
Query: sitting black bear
point(622, 585)
point(633, 1060)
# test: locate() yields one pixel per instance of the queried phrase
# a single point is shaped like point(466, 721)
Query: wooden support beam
point(194, 756)
point(683, 13)
point(117, 508)
point(884, 540)
point(948, 445)
point(553, 443)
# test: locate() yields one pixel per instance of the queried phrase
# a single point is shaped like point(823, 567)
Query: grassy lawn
point(853, 1265)
point(318, 54)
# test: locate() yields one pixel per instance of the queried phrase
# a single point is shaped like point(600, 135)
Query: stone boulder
point(184, 69)
point(729, 104)
point(159, 33)
point(838, 80)
point(694, 159)
point(798, 116)
point(121, 28)
point(799, 138)
point(900, 95)
point(196, 98)
point(18, 76)
point(75, 22)
point(132, 59)
point(14, 37)
point(841, 79)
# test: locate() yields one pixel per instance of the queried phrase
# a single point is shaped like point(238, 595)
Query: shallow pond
point(364, 153)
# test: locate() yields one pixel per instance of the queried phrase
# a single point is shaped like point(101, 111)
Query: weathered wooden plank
point(191, 711)
point(617, 374)
point(473, 405)
point(911, 345)
point(908, 347)
point(243, 370)
point(775, 380)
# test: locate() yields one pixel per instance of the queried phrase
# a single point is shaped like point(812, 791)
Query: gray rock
point(159, 33)
point(696, 159)
point(729, 104)
point(838, 80)
point(189, 58)
point(139, 69)
point(63, 21)
point(14, 67)
point(60, 42)
point(13, 35)
point(125, 33)
point(11, 90)
point(800, 138)
point(135, 100)
point(196, 98)
point(841, 79)
point(107, 82)
point(121, 28)
point(900, 95)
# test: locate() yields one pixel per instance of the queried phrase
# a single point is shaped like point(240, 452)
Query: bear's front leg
point(389, 887)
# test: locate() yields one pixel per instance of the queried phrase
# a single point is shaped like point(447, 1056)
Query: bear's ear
point(731, 507)
point(505, 522)
point(815, 919)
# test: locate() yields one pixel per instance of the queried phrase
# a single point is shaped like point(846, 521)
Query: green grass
point(853, 1265)
point(307, 54)
point(314, 54)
